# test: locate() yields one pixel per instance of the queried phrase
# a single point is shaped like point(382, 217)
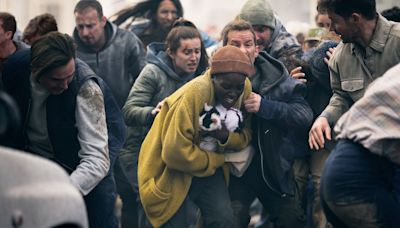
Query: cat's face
point(210, 119)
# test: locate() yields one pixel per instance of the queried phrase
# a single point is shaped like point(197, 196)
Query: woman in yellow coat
point(172, 168)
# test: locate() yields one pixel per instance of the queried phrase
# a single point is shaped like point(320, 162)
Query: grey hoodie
point(118, 63)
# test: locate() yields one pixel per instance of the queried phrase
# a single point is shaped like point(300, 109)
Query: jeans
point(100, 204)
point(357, 188)
point(211, 195)
point(129, 165)
point(129, 211)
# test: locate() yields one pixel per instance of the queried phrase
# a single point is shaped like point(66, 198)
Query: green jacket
point(352, 71)
point(156, 81)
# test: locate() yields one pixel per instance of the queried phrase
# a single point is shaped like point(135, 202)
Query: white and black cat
point(211, 119)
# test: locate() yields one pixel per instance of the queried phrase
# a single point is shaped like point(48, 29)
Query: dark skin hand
point(220, 134)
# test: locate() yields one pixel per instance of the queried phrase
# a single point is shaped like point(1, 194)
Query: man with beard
point(370, 47)
point(117, 56)
point(271, 35)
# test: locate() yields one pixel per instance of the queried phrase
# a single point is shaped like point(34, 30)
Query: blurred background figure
point(392, 14)
point(298, 29)
point(322, 20)
point(312, 39)
point(151, 20)
point(39, 26)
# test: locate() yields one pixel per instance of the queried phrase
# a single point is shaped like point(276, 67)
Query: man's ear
point(169, 53)
point(9, 35)
point(103, 21)
point(355, 18)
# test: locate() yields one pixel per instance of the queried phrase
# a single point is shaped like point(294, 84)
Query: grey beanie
point(258, 12)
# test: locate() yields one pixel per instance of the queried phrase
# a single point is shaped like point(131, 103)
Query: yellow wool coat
point(170, 154)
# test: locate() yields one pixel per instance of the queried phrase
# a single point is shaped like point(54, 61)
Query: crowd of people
point(123, 106)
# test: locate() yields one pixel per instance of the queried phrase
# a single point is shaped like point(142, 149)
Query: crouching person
point(173, 170)
point(74, 120)
point(358, 178)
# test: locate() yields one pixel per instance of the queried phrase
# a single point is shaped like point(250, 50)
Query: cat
point(211, 119)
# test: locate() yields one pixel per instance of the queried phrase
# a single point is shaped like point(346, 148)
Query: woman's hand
point(220, 134)
point(297, 74)
point(157, 109)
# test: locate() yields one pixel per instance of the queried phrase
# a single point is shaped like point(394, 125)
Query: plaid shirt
point(374, 120)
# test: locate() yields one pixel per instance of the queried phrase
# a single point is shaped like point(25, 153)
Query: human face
point(263, 36)
point(90, 28)
point(245, 41)
point(166, 14)
point(346, 28)
point(323, 21)
point(4, 36)
point(228, 87)
point(57, 80)
point(187, 56)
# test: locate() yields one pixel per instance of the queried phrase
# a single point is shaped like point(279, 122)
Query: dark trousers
point(129, 210)
point(283, 211)
point(357, 188)
point(100, 204)
point(129, 165)
point(211, 195)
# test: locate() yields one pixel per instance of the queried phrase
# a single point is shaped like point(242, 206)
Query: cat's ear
point(207, 107)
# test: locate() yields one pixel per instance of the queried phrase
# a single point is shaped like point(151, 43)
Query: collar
point(380, 36)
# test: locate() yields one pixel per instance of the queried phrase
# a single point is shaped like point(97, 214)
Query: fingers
point(316, 138)
point(297, 74)
point(252, 103)
point(295, 71)
point(326, 60)
point(328, 133)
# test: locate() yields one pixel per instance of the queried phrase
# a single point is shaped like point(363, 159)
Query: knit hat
point(231, 59)
point(258, 12)
point(51, 51)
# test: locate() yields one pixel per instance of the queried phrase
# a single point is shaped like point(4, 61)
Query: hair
point(236, 25)
point(146, 9)
point(9, 23)
point(51, 51)
point(82, 5)
point(181, 30)
point(345, 8)
point(392, 14)
point(39, 26)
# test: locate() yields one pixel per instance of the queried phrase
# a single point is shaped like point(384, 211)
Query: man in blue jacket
point(280, 123)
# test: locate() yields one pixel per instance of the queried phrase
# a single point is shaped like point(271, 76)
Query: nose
point(64, 84)
point(84, 31)
point(170, 16)
point(243, 49)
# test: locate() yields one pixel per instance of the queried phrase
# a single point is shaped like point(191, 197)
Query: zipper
point(283, 195)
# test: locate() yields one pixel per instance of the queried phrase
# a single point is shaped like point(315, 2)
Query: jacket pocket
point(352, 85)
point(154, 199)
